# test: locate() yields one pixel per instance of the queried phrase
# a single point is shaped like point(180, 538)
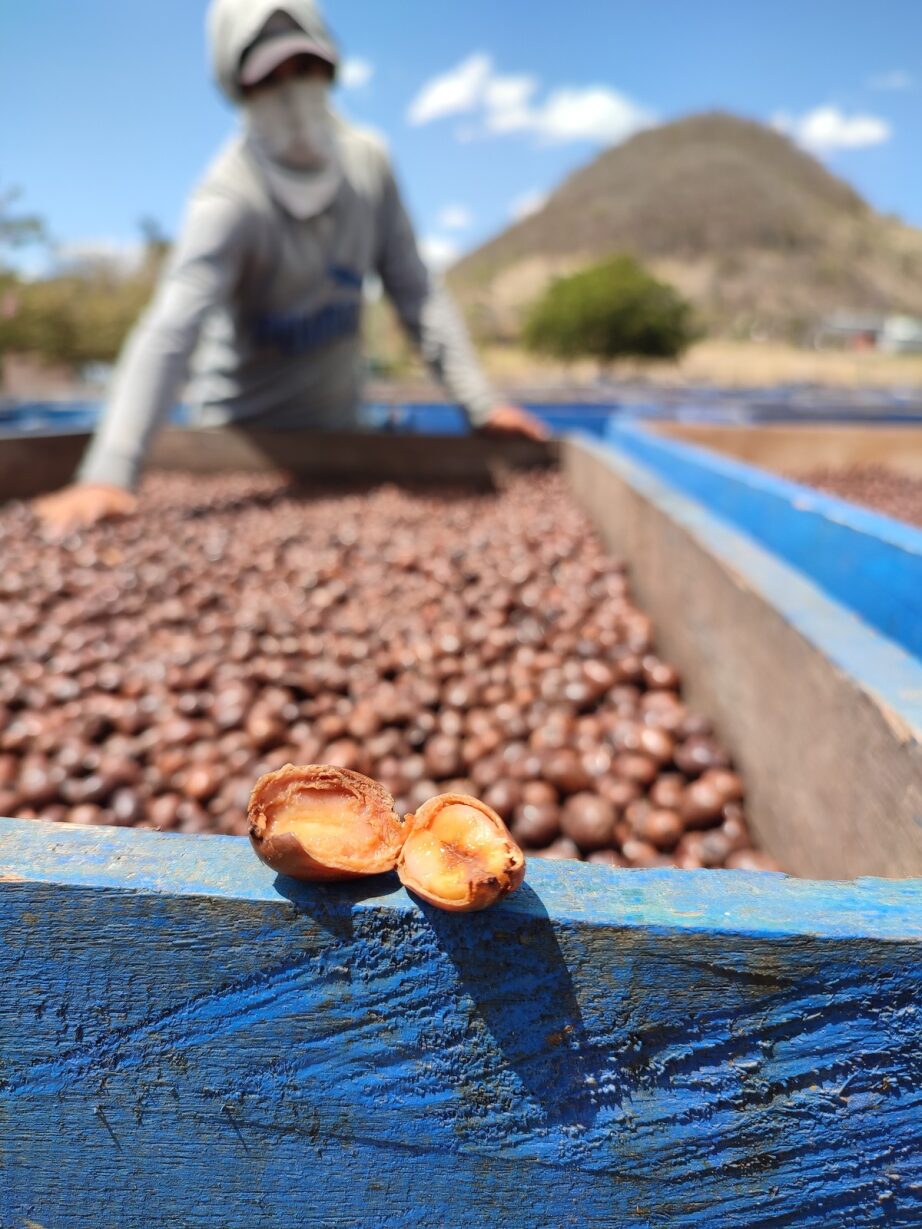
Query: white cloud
point(455, 217)
point(596, 113)
point(356, 73)
point(116, 255)
point(507, 93)
point(527, 204)
point(509, 104)
point(897, 79)
point(439, 252)
point(452, 93)
point(825, 129)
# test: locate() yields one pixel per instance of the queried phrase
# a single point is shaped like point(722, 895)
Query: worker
point(260, 304)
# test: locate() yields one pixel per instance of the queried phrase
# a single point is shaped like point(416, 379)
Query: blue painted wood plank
point(871, 563)
point(223, 867)
point(186, 1039)
point(880, 666)
point(439, 418)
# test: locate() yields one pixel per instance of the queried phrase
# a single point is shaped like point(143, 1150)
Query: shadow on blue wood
point(870, 563)
point(186, 1039)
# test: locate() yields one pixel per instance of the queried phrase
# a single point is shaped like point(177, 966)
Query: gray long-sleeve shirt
point(266, 310)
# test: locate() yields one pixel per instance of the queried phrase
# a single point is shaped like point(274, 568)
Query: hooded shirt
point(262, 309)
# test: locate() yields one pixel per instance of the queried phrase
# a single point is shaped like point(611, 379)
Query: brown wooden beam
point(32, 465)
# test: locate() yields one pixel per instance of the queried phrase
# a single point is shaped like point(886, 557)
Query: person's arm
point(433, 322)
point(200, 274)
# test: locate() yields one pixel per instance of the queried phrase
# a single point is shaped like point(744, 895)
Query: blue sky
point(107, 111)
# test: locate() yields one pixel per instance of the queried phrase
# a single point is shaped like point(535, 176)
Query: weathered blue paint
point(437, 418)
point(733, 406)
point(871, 563)
point(877, 664)
point(421, 418)
point(187, 1040)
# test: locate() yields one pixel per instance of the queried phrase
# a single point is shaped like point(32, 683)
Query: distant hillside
point(755, 231)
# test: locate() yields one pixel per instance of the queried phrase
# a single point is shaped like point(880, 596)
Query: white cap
point(280, 39)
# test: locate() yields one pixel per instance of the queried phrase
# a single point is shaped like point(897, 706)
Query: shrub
point(612, 310)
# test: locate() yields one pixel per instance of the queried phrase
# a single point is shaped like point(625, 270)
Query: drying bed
point(183, 1030)
point(482, 644)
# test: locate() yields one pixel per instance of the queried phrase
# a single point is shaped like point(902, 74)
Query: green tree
point(16, 229)
point(612, 310)
point(83, 313)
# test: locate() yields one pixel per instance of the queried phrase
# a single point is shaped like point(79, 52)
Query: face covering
point(291, 132)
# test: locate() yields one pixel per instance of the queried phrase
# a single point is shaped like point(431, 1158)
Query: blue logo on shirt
point(297, 333)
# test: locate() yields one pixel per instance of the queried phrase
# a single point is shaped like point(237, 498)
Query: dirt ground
point(729, 364)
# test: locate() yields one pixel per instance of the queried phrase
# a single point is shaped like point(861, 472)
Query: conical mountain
point(756, 232)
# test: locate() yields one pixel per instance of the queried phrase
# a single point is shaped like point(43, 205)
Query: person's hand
point(82, 505)
point(513, 420)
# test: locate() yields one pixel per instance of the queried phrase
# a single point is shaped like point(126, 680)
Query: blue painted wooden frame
point(876, 663)
point(440, 418)
point(870, 563)
point(187, 1039)
point(858, 810)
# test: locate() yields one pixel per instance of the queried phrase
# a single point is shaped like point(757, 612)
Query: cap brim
point(265, 57)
